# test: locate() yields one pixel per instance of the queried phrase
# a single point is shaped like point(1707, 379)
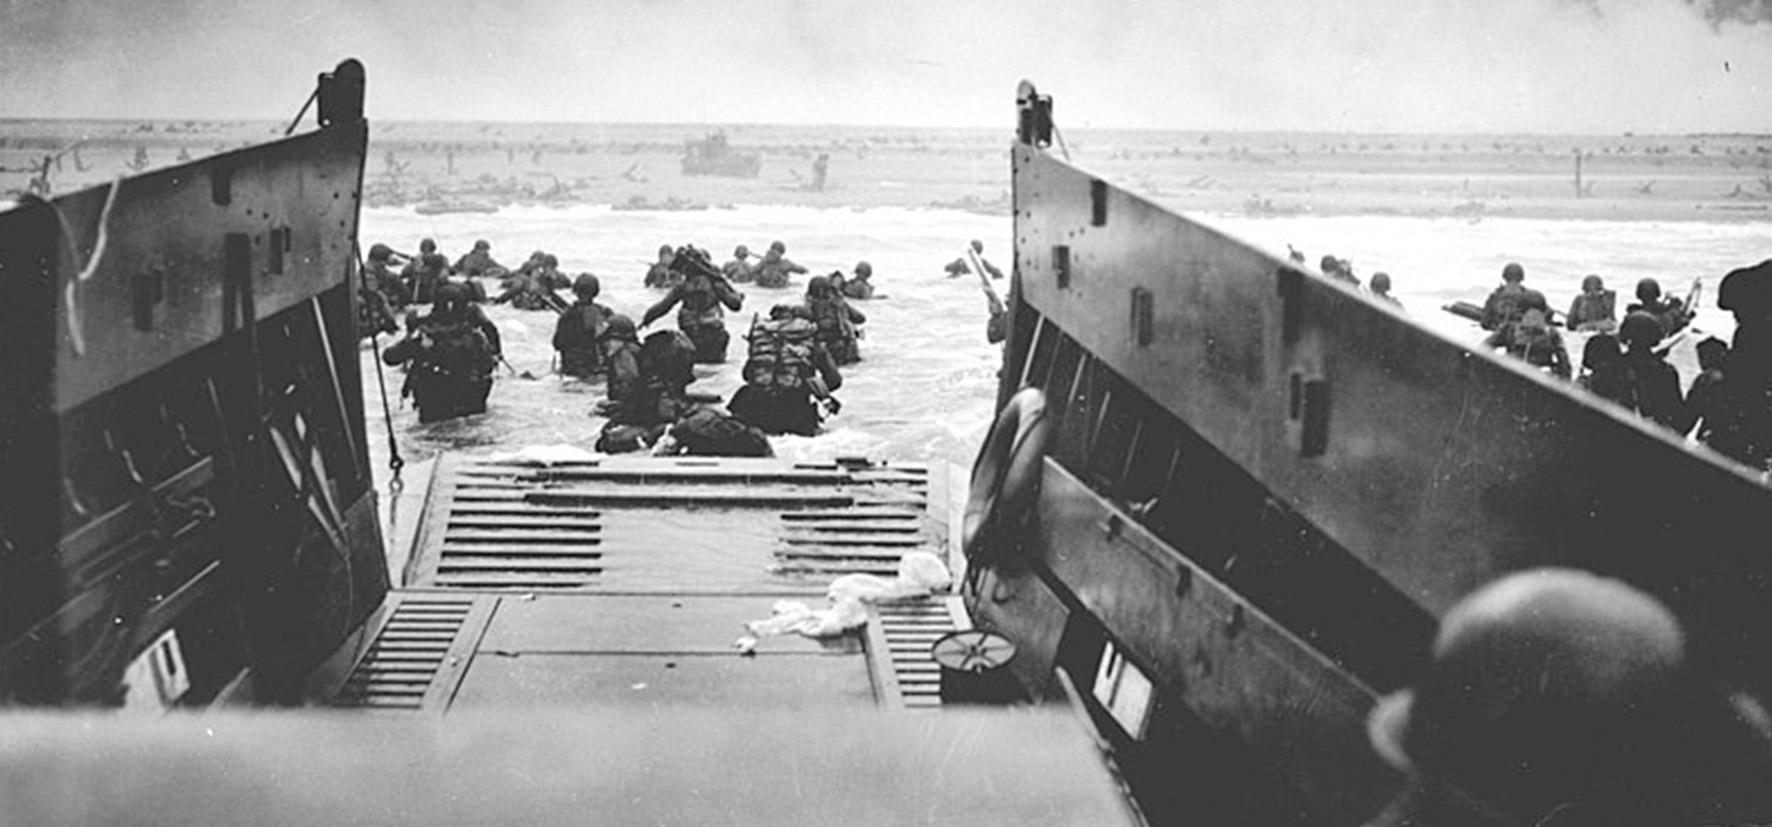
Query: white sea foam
point(925, 390)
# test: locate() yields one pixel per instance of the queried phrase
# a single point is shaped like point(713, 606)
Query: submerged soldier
point(660, 274)
point(978, 247)
point(453, 351)
point(702, 291)
point(478, 262)
point(958, 267)
point(531, 290)
point(654, 398)
point(579, 329)
point(775, 268)
point(536, 261)
point(835, 319)
point(374, 315)
point(788, 376)
point(549, 273)
point(1508, 303)
point(739, 270)
point(375, 310)
point(1380, 288)
point(1654, 384)
point(1603, 373)
point(860, 287)
point(424, 273)
point(1558, 697)
point(1535, 342)
point(1673, 314)
point(1705, 401)
point(620, 349)
point(379, 276)
point(1339, 270)
point(708, 433)
point(1595, 308)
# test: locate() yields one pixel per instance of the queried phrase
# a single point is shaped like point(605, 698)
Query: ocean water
point(925, 389)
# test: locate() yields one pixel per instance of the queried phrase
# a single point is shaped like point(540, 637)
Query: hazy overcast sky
point(1355, 65)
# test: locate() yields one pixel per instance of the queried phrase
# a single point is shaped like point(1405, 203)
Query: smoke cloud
point(1582, 66)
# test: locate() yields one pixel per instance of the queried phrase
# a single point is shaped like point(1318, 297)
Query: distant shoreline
point(1713, 178)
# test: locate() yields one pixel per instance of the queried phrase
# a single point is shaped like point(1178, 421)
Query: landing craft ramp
point(627, 581)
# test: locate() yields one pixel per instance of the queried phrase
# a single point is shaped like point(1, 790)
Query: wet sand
point(485, 166)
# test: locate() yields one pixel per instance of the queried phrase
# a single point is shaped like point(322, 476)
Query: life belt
point(1007, 473)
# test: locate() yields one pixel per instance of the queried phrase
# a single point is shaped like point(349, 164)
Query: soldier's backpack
point(781, 354)
point(461, 349)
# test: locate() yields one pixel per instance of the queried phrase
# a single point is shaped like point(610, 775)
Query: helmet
point(1513, 272)
point(427, 246)
point(818, 286)
point(621, 327)
point(1381, 282)
point(550, 260)
point(1601, 349)
point(1329, 264)
point(1640, 327)
point(666, 251)
point(741, 251)
point(380, 252)
point(1592, 284)
point(777, 247)
point(586, 286)
point(482, 245)
point(977, 246)
point(1747, 289)
point(1648, 290)
point(1545, 688)
point(863, 269)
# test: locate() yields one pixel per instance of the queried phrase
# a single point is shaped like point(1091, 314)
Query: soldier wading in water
point(453, 351)
point(702, 290)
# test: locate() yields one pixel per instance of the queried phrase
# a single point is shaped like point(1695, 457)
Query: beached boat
point(713, 155)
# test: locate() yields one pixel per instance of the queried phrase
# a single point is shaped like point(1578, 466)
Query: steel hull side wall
point(166, 235)
point(188, 420)
point(1435, 466)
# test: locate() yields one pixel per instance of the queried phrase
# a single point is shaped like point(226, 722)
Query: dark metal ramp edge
point(898, 638)
point(419, 654)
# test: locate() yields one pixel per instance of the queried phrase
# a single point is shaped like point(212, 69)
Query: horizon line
point(1757, 135)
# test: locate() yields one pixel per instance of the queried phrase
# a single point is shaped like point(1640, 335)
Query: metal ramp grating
point(625, 524)
point(862, 540)
point(899, 636)
point(401, 667)
point(492, 538)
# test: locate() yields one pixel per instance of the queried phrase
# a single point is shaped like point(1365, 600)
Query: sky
point(1412, 66)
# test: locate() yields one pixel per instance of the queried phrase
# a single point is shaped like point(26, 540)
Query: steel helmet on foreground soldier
point(1556, 696)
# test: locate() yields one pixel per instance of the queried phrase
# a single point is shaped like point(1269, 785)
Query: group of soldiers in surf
point(1727, 406)
point(1342, 270)
point(791, 370)
point(793, 358)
